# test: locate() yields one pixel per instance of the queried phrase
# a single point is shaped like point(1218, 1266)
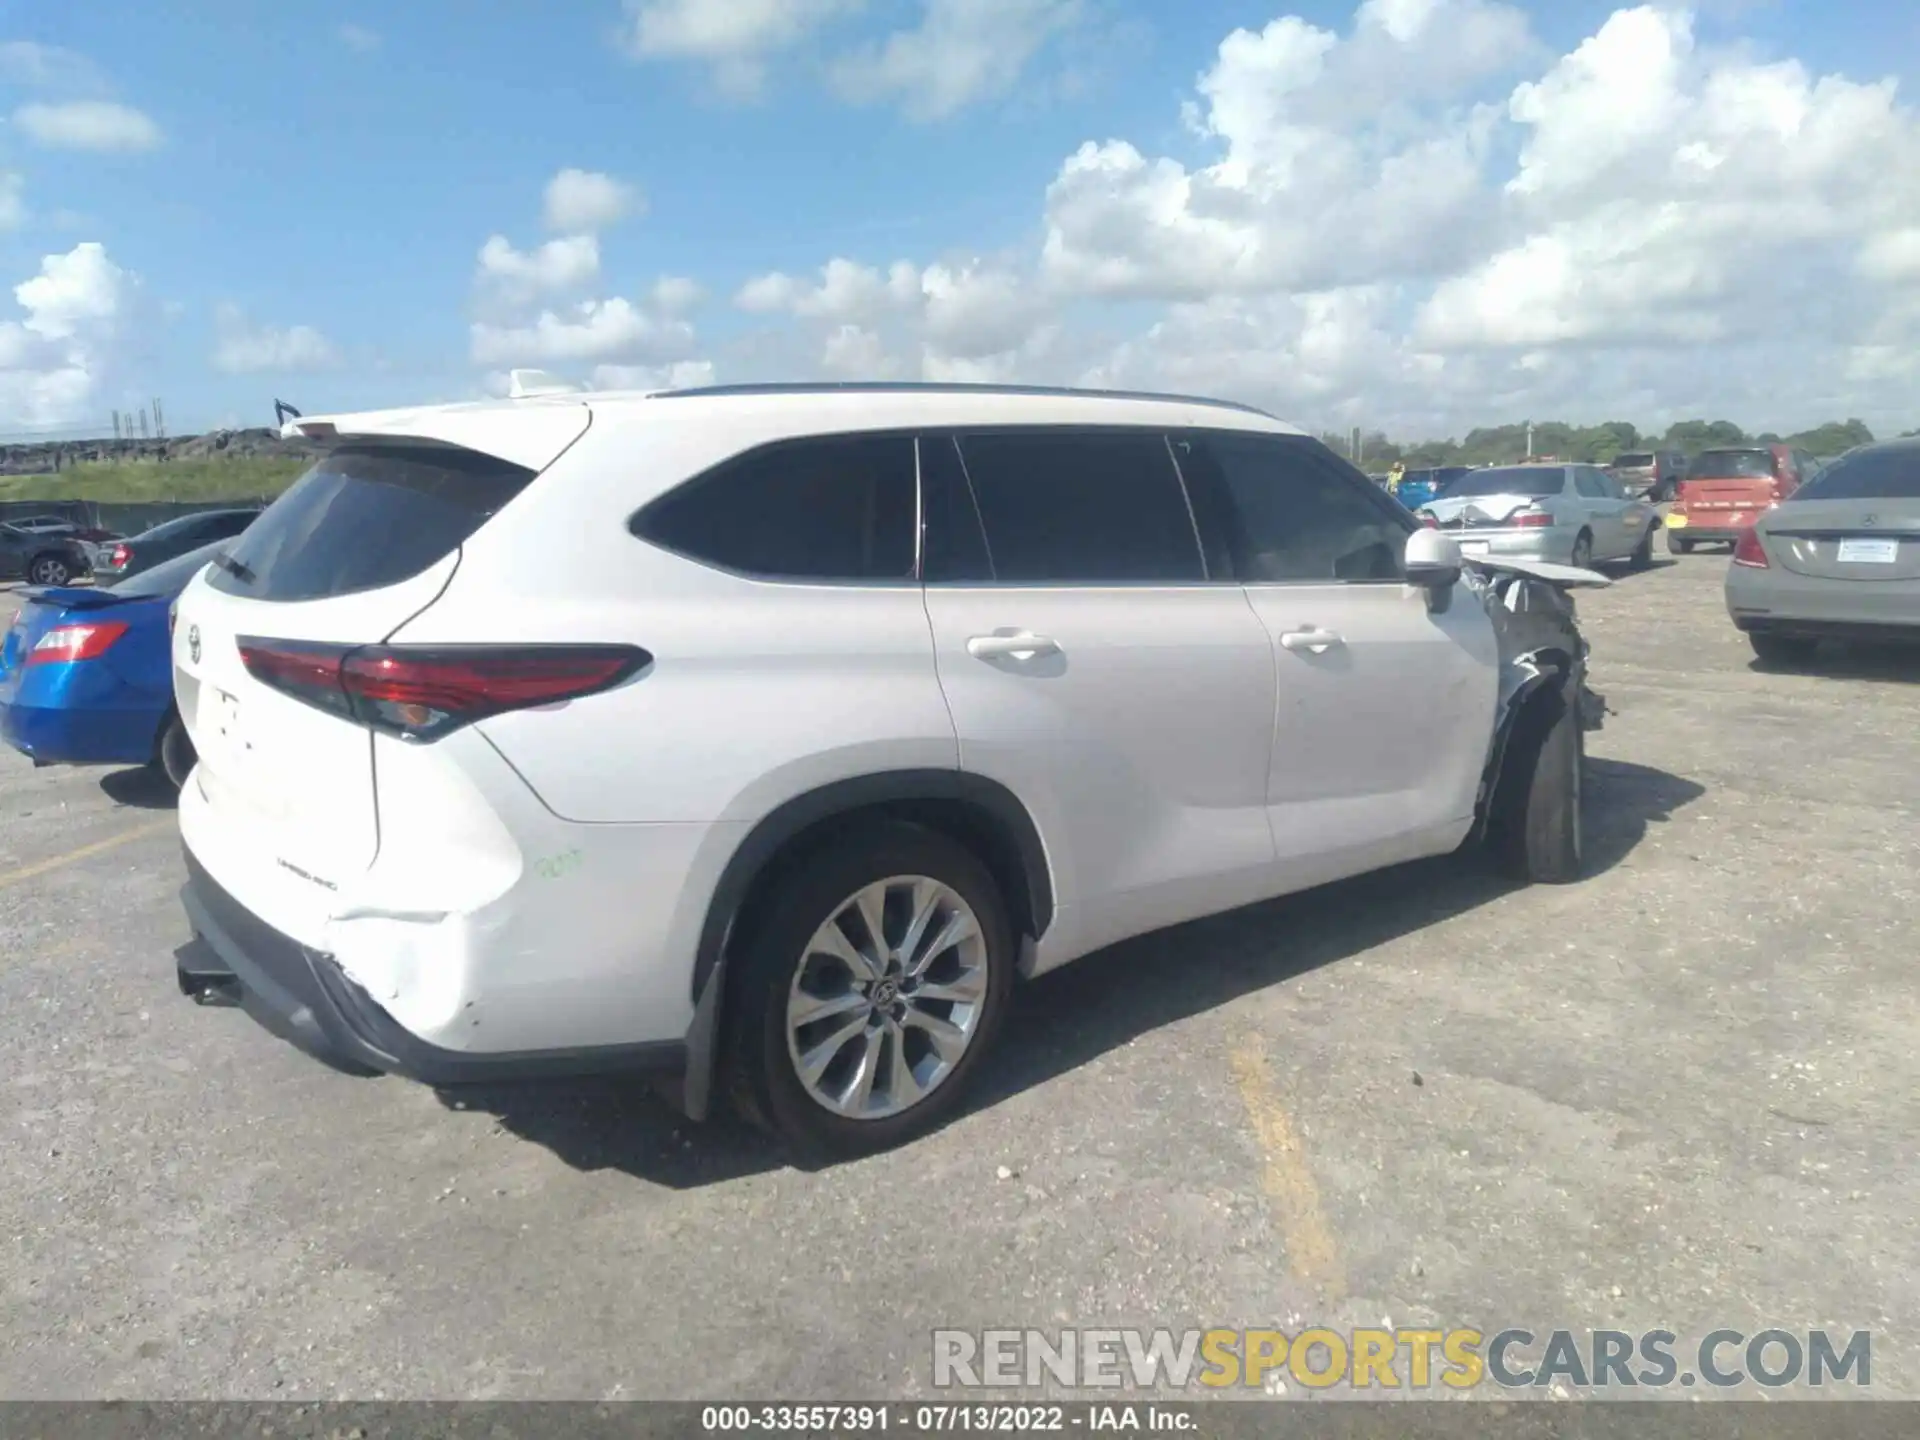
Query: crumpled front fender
point(1541, 648)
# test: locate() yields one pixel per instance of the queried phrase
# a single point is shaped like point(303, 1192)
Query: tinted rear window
point(826, 508)
point(1636, 461)
point(1534, 480)
point(1732, 465)
point(1891, 474)
point(365, 517)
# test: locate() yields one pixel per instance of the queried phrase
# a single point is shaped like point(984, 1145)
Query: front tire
point(1782, 650)
point(849, 1041)
point(49, 570)
point(1536, 818)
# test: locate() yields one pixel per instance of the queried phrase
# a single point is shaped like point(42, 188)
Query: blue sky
point(339, 169)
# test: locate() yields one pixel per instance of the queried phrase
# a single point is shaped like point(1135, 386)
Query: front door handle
point(1313, 639)
point(1022, 646)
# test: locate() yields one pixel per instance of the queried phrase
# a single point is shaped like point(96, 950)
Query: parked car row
point(50, 550)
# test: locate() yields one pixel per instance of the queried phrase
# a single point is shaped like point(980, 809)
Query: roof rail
point(934, 387)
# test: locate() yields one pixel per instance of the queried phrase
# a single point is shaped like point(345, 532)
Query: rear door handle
point(1313, 640)
point(1022, 646)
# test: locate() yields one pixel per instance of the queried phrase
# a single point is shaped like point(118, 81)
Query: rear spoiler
point(74, 597)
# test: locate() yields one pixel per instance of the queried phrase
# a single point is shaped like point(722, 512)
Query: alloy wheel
point(887, 997)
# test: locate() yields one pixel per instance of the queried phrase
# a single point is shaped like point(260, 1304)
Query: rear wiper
point(236, 568)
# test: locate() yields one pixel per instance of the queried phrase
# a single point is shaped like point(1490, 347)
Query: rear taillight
point(1748, 550)
point(424, 692)
point(1532, 519)
point(75, 642)
point(120, 555)
point(1429, 520)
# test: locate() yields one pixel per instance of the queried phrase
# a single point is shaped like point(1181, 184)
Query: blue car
point(1417, 487)
point(86, 675)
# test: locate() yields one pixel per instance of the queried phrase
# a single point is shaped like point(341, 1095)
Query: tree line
point(1594, 444)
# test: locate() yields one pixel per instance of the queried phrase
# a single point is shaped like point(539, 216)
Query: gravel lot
point(1675, 1095)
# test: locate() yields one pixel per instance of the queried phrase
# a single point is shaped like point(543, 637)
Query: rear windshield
point(1732, 465)
point(367, 516)
point(1636, 461)
point(1533, 480)
point(1890, 474)
point(169, 577)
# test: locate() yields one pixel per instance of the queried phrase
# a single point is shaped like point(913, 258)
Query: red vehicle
point(1726, 489)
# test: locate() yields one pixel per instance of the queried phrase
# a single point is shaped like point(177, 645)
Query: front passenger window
point(1294, 514)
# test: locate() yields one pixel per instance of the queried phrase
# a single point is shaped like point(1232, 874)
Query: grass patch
point(127, 481)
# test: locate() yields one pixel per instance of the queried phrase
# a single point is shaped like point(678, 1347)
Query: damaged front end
point(1541, 649)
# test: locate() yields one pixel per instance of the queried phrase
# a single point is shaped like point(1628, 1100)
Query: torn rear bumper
point(302, 996)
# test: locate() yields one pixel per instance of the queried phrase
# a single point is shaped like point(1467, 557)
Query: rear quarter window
point(367, 516)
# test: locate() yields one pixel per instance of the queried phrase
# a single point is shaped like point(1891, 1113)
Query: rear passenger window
point(367, 516)
point(1587, 482)
point(1082, 507)
point(828, 508)
point(1292, 511)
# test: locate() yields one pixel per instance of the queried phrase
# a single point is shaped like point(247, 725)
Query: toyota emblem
point(193, 643)
point(1869, 520)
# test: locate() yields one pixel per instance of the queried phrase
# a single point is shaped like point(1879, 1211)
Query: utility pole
point(1529, 439)
point(116, 425)
point(159, 425)
point(143, 424)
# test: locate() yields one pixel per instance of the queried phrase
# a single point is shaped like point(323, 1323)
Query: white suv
point(766, 735)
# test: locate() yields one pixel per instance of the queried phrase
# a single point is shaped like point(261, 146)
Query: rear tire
point(786, 967)
point(1535, 819)
point(1677, 546)
point(174, 756)
point(1783, 650)
point(1582, 556)
point(1642, 556)
point(49, 570)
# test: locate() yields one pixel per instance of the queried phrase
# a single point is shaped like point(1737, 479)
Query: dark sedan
point(40, 557)
point(175, 537)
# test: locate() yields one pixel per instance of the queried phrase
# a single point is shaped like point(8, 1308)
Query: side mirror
point(1433, 564)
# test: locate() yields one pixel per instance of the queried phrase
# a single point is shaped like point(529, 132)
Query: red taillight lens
point(1429, 520)
point(120, 555)
point(75, 642)
point(1532, 519)
point(422, 693)
point(1748, 550)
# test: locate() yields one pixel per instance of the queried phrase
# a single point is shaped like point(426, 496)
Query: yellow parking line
point(1285, 1176)
point(43, 867)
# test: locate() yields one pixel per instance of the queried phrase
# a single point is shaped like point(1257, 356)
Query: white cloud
point(681, 375)
point(566, 265)
point(243, 348)
point(55, 360)
point(734, 37)
point(586, 201)
point(103, 125)
point(47, 67)
point(612, 329)
point(962, 51)
point(358, 37)
point(1425, 220)
point(676, 294)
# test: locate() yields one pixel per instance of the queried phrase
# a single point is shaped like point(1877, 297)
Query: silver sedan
point(1838, 559)
point(1568, 514)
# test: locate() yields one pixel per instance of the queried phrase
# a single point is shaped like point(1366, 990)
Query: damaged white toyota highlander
point(769, 736)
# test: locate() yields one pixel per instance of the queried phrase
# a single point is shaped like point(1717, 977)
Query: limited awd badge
point(193, 643)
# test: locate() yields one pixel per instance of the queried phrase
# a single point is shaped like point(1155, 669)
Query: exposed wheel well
point(966, 822)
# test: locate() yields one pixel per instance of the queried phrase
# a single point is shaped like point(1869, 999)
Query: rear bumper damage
point(303, 996)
